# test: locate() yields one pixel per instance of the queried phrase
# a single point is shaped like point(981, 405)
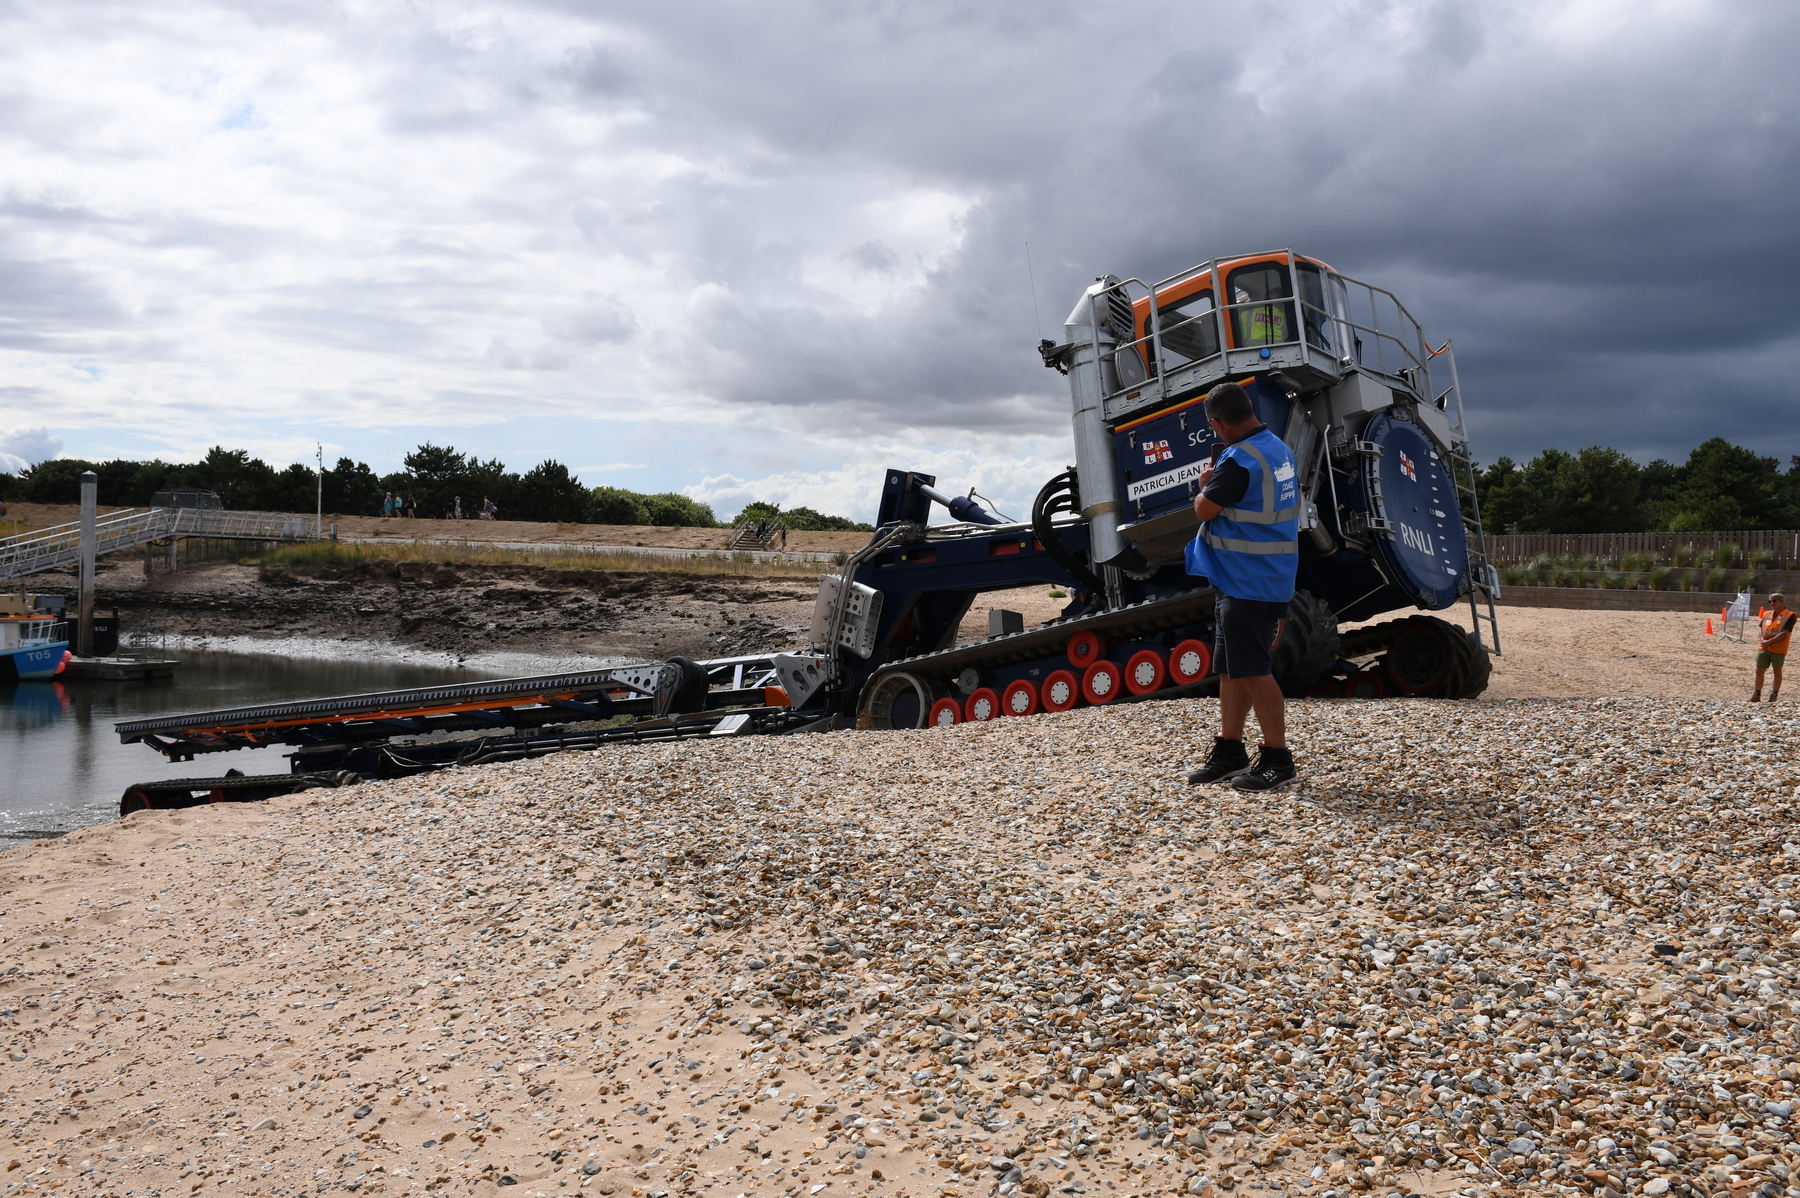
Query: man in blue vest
point(1249, 548)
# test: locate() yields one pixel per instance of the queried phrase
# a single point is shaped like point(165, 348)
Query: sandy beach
point(1537, 944)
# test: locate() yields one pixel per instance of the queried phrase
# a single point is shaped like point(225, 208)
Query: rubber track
point(1137, 619)
point(1309, 645)
point(1471, 666)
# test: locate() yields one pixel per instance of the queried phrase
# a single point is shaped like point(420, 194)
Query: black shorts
point(1244, 636)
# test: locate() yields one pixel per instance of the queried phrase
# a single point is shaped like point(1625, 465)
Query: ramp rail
point(60, 545)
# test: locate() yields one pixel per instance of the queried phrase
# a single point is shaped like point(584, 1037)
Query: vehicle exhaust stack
point(1089, 339)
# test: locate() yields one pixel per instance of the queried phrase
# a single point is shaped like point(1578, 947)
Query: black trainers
point(1227, 760)
point(1273, 770)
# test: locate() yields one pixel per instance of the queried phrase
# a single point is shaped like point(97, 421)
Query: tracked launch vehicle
point(1339, 369)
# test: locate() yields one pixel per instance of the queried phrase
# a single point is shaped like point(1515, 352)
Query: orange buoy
point(1085, 649)
point(983, 705)
point(1019, 698)
point(1060, 691)
point(1190, 661)
point(1144, 672)
point(1102, 682)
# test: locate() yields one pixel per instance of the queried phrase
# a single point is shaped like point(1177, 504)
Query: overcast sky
point(764, 250)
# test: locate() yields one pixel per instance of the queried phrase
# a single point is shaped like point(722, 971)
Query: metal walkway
point(60, 545)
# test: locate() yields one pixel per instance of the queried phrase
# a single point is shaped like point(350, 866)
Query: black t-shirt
point(1230, 480)
point(1228, 484)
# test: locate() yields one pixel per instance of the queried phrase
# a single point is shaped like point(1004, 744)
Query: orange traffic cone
point(1709, 630)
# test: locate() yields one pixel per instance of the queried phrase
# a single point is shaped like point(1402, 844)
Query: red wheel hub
point(1061, 690)
point(1190, 662)
point(1019, 698)
point(1144, 672)
point(1085, 649)
point(1102, 683)
point(944, 713)
point(983, 705)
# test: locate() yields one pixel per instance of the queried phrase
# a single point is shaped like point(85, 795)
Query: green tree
point(55, 481)
point(351, 489)
point(1725, 486)
point(1500, 494)
point(673, 508)
point(614, 505)
point(435, 475)
point(1596, 491)
point(549, 492)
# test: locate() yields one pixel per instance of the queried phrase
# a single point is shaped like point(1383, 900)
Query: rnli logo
point(1407, 468)
point(1157, 451)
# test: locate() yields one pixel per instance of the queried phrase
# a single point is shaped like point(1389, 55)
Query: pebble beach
point(1518, 946)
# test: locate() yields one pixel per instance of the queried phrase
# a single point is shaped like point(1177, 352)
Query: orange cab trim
point(1203, 281)
point(1187, 403)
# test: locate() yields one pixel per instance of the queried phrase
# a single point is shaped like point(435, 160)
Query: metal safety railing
point(60, 545)
point(1350, 324)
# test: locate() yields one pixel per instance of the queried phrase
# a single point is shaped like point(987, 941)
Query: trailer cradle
point(351, 721)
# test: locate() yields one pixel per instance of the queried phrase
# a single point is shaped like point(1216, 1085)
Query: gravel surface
point(1532, 945)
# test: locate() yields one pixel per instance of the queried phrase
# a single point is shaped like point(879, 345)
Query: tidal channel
point(62, 766)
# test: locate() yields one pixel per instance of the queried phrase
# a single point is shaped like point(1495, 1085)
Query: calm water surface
point(62, 766)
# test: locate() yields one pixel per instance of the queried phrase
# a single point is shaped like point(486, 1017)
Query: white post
point(319, 519)
point(84, 641)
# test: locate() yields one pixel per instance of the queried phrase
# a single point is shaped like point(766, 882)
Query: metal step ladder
point(1484, 578)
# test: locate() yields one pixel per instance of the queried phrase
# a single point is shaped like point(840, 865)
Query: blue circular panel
point(1427, 552)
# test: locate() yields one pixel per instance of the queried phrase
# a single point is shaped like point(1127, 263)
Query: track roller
point(983, 705)
point(1061, 691)
point(1019, 698)
point(1145, 672)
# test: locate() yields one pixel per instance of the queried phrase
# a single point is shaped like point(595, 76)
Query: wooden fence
point(1520, 548)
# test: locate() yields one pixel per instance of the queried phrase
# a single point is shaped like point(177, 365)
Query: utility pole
point(319, 519)
point(84, 632)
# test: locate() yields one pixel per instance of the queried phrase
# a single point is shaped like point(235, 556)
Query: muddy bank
point(463, 610)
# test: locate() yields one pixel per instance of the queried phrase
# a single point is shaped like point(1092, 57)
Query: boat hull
point(33, 662)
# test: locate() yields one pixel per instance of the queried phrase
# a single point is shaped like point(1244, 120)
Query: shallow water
point(62, 766)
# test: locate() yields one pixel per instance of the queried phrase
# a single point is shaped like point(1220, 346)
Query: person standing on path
point(1772, 645)
point(1248, 547)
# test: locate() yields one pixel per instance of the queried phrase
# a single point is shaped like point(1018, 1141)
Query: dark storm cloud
point(1595, 203)
point(810, 218)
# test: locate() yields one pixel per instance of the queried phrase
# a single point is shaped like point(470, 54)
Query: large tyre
point(1422, 657)
point(1473, 669)
point(1307, 647)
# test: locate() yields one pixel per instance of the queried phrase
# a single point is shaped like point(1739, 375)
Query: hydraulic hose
point(1062, 494)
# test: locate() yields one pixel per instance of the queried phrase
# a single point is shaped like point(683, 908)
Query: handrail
point(59, 544)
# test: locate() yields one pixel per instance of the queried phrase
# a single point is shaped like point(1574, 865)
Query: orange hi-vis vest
point(1782, 623)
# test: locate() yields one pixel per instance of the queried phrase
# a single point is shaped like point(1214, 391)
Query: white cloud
point(268, 224)
point(1009, 474)
point(21, 448)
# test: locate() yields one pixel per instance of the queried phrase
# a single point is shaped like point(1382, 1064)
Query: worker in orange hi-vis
point(1772, 646)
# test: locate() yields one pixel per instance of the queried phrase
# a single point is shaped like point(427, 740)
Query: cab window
point(1256, 319)
point(1312, 307)
point(1190, 329)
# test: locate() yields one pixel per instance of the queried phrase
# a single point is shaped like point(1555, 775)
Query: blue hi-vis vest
point(1252, 551)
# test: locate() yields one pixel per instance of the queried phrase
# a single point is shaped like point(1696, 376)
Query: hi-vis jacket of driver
point(1252, 550)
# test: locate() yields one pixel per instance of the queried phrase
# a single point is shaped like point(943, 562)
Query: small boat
point(32, 647)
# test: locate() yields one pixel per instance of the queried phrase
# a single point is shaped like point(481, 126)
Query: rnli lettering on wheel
point(1252, 551)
